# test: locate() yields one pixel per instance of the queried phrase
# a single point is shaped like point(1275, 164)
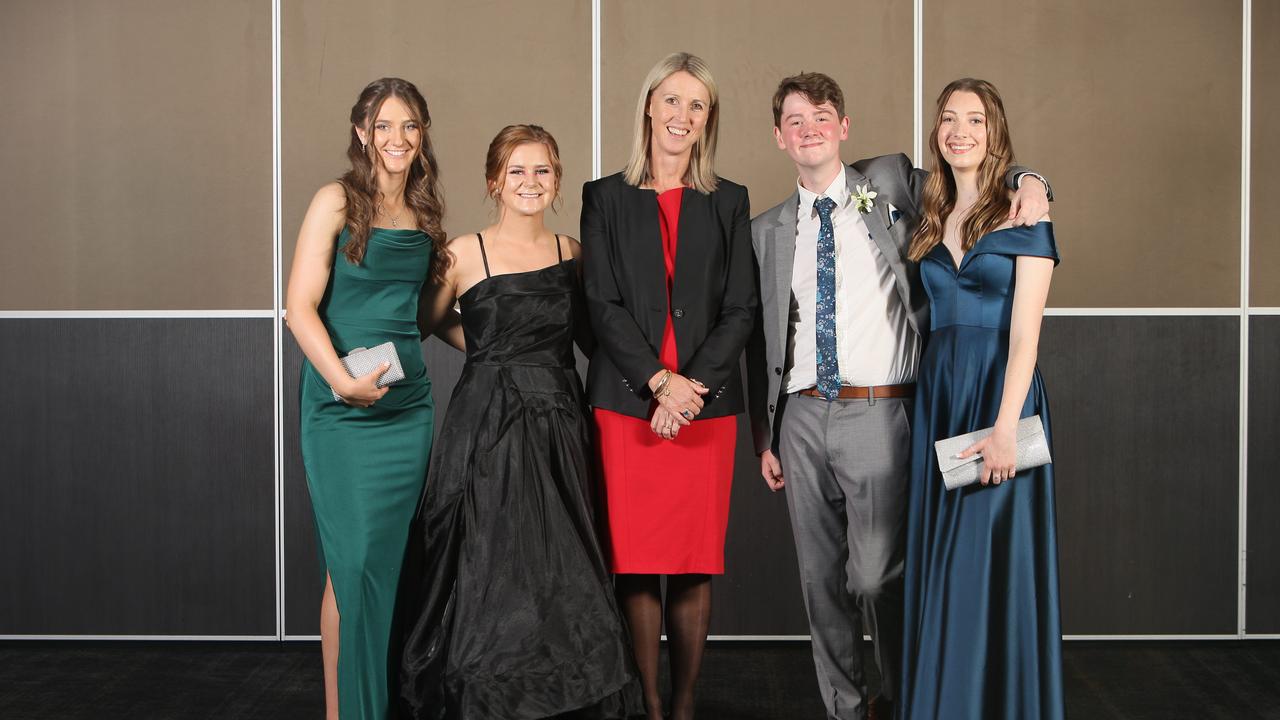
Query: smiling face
point(394, 135)
point(529, 181)
point(811, 134)
point(678, 111)
point(962, 131)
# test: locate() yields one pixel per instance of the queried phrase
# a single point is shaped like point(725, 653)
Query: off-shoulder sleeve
point(1036, 241)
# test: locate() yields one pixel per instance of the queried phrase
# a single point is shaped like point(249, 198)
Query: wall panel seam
point(595, 90)
point(131, 314)
point(1246, 89)
point(917, 82)
point(277, 404)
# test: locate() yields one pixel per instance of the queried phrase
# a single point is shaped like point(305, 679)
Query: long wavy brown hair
point(938, 198)
point(422, 195)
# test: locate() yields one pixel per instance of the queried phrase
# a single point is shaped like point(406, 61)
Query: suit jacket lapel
point(784, 249)
point(877, 222)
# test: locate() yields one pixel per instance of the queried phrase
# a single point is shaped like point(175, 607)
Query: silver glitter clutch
point(1033, 451)
point(363, 361)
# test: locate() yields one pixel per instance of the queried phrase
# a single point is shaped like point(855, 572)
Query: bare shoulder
point(331, 197)
point(572, 244)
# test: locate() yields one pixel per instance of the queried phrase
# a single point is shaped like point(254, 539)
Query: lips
point(677, 132)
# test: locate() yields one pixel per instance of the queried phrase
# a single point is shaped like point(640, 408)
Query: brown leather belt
point(850, 392)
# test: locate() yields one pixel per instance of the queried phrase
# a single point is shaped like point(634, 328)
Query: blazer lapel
point(784, 253)
point(877, 222)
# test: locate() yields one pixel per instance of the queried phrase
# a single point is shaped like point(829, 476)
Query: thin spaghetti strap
point(559, 254)
point(483, 255)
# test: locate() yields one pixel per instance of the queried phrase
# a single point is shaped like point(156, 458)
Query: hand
point(771, 470)
point(682, 396)
point(999, 455)
point(665, 424)
point(1030, 203)
point(364, 391)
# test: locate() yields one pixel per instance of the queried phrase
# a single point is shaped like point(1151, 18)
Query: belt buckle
point(871, 395)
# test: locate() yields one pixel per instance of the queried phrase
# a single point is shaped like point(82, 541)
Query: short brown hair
point(506, 142)
point(815, 87)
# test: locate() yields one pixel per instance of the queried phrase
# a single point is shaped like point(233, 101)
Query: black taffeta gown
point(512, 613)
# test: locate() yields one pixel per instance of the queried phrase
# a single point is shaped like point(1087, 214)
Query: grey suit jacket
point(773, 237)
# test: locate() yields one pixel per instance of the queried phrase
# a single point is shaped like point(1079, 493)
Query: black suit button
point(678, 313)
point(777, 371)
point(770, 408)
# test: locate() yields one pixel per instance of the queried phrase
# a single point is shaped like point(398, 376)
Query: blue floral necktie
point(828, 360)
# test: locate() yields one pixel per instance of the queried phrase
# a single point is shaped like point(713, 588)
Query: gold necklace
point(394, 220)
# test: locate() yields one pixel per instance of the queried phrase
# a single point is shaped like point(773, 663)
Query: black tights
point(688, 617)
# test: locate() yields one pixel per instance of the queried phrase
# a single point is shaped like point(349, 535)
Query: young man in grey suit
point(831, 372)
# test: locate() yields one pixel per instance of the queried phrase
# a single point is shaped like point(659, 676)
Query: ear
point(777, 137)
point(360, 133)
point(844, 128)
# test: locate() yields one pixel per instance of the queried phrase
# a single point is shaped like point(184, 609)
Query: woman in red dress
point(667, 265)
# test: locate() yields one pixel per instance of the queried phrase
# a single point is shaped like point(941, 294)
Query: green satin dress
point(366, 466)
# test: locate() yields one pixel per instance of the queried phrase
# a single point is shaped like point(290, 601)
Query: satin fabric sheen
point(667, 500)
point(365, 466)
point(983, 638)
point(507, 608)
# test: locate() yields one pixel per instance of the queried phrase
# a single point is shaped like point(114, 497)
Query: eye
point(544, 171)
point(411, 126)
point(698, 106)
point(671, 100)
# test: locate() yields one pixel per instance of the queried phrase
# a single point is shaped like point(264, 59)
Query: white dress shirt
point(876, 344)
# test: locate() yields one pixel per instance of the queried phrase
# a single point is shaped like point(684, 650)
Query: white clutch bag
point(363, 361)
point(1033, 451)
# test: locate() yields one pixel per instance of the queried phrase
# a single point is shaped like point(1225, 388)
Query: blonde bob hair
point(701, 174)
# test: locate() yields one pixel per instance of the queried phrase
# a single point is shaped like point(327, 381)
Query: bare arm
point(436, 313)
point(308, 278)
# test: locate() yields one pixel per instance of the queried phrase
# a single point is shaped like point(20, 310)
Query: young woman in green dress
point(365, 250)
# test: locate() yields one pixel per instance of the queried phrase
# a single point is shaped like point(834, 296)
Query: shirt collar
point(838, 190)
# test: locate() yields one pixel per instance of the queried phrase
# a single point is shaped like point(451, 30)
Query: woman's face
point(528, 181)
point(678, 110)
point(962, 131)
point(394, 135)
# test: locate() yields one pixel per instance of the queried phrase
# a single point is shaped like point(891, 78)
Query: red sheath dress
point(667, 500)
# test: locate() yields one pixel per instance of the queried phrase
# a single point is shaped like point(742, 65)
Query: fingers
point(377, 372)
point(974, 448)
point(1014, 205)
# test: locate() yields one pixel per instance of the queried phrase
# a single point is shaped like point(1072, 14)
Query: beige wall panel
point(136, 143)
point(480, 65)
point(1264, 212)
point(1133, 110)
point(750, 46)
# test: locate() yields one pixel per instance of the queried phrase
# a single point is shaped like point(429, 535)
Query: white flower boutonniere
point(864, 198)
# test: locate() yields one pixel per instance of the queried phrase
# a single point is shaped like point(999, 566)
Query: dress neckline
point(487, 278)
point(950, 260)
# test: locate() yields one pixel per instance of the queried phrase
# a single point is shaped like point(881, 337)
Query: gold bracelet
point(662, 383)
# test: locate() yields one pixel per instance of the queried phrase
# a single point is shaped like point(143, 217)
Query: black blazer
point(713, 297)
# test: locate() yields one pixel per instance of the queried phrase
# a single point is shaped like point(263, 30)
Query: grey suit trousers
point(845, 464)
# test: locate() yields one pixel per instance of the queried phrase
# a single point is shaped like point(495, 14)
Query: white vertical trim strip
point(595, 90)
point(917, 82)
point(1246, 101)
point(277, 405)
